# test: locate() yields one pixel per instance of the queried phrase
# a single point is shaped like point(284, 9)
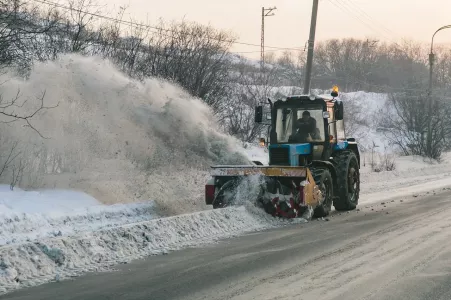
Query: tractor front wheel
point(323, 180)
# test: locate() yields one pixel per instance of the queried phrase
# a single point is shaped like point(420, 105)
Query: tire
point(221, 200)
point(348, 181)
point(323, 179)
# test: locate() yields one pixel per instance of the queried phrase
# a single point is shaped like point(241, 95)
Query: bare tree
point(9, 114)
point(406, 119)
point(194, 56)
point(356, 117)
point(20, 28)
point(250, 87)
point(17, 174)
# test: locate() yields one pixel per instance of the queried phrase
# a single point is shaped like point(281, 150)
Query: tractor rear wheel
point(348, 181)
point(323, 180)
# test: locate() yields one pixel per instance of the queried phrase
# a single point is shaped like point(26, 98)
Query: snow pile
point(30, 264)
point(114, 138)
point(45, 201)
point(31, 215)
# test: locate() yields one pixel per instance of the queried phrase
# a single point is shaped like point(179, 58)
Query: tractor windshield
point(295, 125)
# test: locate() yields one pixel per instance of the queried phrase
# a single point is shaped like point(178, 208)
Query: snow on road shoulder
point(45, 201)
point(29, 215)
point(29, 264)
point(412, 175)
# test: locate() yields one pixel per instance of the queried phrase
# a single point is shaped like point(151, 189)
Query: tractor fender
point(351, 146)
point(355, 148)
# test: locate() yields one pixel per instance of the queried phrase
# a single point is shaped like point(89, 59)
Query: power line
point(371, 19)
point(266, 51)
point(136, 25)
point(343, 7)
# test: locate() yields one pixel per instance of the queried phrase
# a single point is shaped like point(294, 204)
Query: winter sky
point(374, 19)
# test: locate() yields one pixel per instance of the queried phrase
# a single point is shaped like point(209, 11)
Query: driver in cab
point(306, 129)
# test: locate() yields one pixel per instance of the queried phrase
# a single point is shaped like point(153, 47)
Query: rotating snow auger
point(312, 166)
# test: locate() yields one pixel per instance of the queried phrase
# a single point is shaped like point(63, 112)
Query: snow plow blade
point(287, 192)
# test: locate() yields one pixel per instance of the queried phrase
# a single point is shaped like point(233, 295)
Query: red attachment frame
point(209, 194)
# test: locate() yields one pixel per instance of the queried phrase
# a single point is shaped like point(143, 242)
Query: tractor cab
point(303, 128)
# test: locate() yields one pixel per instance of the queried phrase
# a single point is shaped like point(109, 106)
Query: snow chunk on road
point(29, 264)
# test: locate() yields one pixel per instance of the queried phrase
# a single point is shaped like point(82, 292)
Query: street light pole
point(430, 96)
point(266, 12)
point(432, 57)
point(311, 47)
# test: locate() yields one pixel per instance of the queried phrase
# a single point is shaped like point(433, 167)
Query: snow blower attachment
point(311, 163)
point(283, 191)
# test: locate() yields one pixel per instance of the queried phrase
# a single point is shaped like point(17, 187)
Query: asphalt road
point(398, 250)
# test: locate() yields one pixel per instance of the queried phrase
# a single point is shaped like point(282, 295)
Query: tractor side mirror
point(258, 114)
point(268, 116)
point(339, 111)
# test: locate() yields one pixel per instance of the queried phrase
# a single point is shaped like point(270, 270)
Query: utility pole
point(266, 12)
point(311, 47)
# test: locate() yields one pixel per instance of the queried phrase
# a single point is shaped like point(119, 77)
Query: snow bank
point(30, 264)
point(32, 215)
point(412, 175)
point(44, 201)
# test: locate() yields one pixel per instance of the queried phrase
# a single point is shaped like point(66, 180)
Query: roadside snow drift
point(33, 215)
point(30, 264)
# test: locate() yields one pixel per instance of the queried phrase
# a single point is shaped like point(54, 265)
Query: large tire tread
point(343, 201)
point(320, 175)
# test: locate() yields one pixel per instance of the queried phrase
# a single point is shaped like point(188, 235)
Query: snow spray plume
point(118, 139)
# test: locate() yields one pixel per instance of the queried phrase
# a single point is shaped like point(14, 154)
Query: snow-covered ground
point(32, 215)
point(126, 141)
point(53, 235)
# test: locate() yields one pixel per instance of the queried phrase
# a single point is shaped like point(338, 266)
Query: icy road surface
point(394, 250)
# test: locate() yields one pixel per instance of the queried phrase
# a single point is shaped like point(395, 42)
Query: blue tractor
point(312, 165)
